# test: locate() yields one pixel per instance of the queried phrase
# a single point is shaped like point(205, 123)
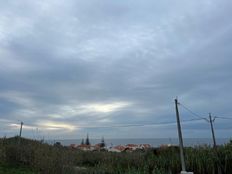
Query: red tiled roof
point(120, 147)
point(146, 146)
point(131, 145)
point(73, 145)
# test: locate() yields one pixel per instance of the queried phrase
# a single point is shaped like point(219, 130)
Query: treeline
point(48, 159)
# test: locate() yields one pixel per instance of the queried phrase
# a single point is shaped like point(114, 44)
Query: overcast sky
point(72, 67)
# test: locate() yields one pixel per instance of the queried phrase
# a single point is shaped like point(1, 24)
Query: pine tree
point(82, 141)
point(87, 140)
point(102, 142)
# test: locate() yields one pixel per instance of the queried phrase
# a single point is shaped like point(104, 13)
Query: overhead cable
point(193, 113)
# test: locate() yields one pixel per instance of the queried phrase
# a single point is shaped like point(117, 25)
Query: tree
point(87, 140)
point(102, 144)
point(82, 141)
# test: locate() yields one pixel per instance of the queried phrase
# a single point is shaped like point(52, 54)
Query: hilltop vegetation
point(30, 156)
point(8, 169)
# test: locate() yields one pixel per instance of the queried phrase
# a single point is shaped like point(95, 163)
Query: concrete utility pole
point(183, 167)
point(212, 130)
point(180, 136)
point(21, 128)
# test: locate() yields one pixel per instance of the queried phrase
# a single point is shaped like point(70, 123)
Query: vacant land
point(30, 156)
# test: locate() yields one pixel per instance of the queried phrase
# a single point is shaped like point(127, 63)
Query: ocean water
point(154, 142)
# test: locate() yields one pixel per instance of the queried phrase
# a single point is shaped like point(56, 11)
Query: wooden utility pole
point(21, 128)
point(212, 130)
point(180, 137)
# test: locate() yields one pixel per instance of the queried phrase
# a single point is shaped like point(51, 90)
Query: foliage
point(47, 159)
point(6, 169)
point(87, 140)
point(102, 144)
point(82, 141)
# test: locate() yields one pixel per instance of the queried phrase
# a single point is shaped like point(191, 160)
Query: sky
point(72, 67)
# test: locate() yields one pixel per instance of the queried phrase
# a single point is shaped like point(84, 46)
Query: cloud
point(77, 63)
point(52, 125)
point(104, 108)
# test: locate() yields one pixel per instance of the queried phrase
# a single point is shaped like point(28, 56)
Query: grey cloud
point(70, 53)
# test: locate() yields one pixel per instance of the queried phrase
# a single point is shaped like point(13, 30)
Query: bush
point(47, 159)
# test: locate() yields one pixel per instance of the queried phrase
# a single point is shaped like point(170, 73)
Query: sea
point(154, 142)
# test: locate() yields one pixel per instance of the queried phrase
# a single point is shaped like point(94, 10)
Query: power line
point(7, 121)
point(140, 125)
point(118, 126)
point(128, 125)
point(193, 113)
point(226, 118)
point(198, 116)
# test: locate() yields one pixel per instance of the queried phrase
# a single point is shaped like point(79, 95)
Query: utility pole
point(212, 129)
point(180, 137)
point(220, 168)
point(21, 127)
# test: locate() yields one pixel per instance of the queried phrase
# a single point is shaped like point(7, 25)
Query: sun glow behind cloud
point(52, 125)
point(97, 109)
point(105, 107)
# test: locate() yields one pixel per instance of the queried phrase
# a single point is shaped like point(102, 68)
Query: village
point(102, 147)
point(118, 148)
